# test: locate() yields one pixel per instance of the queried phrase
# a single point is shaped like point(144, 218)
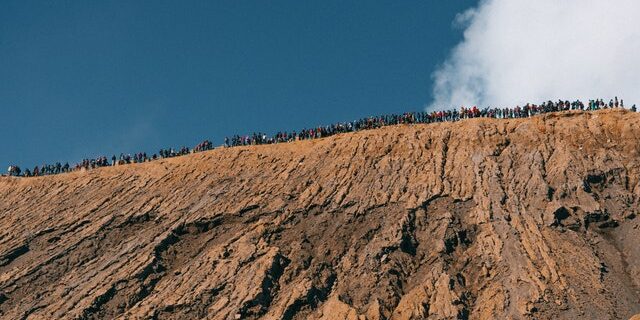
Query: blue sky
point(86, 78)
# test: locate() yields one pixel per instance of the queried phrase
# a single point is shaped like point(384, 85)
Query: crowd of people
point(203, 146)
point(527, 110)
point(103, 161)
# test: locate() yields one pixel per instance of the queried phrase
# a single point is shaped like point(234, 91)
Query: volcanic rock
point(479, 219)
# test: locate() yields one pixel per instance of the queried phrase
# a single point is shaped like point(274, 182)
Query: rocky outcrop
point(526, 218)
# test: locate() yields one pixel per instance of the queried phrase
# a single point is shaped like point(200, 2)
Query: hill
point(483, 218)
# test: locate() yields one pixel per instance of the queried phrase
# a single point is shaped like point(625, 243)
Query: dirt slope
point(481, 219)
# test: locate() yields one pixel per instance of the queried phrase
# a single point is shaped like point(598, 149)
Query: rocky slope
point(481, 219)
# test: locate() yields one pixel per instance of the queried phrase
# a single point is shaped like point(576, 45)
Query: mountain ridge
point(482, 218)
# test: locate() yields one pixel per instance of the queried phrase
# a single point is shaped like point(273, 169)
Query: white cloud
point(519, 51)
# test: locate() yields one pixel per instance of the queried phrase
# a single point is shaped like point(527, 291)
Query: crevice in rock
point(260, 304)
point(314, 297)
point(408, 242)
point(594, 217)
point(13, 254)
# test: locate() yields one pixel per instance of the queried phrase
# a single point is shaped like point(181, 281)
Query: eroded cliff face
point(481, 219)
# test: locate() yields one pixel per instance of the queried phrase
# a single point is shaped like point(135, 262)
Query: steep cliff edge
point(480, 219)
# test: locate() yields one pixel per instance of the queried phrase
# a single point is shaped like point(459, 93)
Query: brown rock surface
point(481, 219)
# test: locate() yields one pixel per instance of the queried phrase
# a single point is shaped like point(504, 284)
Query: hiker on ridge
point(13, 171)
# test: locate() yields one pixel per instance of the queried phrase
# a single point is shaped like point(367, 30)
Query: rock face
point(480, 219)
